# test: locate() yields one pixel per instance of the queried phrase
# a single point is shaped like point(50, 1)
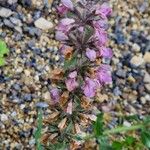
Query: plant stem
point(117, 130)
point(123, 129)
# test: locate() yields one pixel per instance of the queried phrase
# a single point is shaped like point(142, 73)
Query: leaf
point(117, 145)
point(38, 133)
point(104, 143)
point(98, 125)
point(145, 137)
point(3, 49)
point(129, 140)
point(88, 33)
point(70, 63)
point(2, 61)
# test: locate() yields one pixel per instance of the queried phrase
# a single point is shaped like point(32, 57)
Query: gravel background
point(24, 80)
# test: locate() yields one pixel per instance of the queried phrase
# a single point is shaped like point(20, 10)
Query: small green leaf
point(38, 132)
point(3, 51)
point(145, 137)
point(2, 61)
point(117, 145)
point(129, 140)
point(98, 125)
point(3, 48)
point(88, 33)
point(70, 63)
point(104, 143)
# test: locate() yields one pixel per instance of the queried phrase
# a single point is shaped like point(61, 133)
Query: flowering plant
point(83, 37)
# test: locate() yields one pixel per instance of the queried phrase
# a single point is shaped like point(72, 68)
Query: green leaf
point(88, 33)
point(117, 145)
point(2, 61)
point(3, 49)
point(129, 140)
point(38, 132)
point(104, 143)
point(98, 125)
point(68, 64)
point(145, 137)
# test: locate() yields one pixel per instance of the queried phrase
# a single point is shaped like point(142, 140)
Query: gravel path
point(27, 26)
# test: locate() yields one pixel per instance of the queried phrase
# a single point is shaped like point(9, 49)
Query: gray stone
point(10, 2)
point(121, 73)
point(41, 105)
point(16, 21)
point(43, 24)
point(8, 23)
point(5, 13)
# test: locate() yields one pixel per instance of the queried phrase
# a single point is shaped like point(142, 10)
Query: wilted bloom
point(104, 11)
point(55, 95)
point(106, 52)
point(101, 37)
point(68, 4)
point(69, 108)
point(89, 88)
point(65, 25)
point(104, 75)
point(60, 36)
point(71, 82)
point(66, 51)
point(91, 54)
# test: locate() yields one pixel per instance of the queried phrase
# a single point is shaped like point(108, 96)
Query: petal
point(106, 52)
point(73, 74)
point(60, 36)
point(67, 21)
point(91, 54)
point(68, 4)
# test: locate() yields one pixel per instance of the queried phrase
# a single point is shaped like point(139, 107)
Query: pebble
point(41, 105)
point(137, 61)
point(3, 117)
point(5, 13)
point(121, 73)
point(147, 77)
point(16, 21)
point(43, 24)
point(147, 57)
point(11, 2)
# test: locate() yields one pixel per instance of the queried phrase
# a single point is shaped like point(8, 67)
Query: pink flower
point(104, 11)
point(55, 95)
point(91, 54)
point(68, 4)
point(60, 36)
point(65, 25)
point(71, 82)
point(62, 9)
point(106, 52)
point(89, 88)
point(100, 24)
point(103, 74)
point(101, 37)
point(73, 74)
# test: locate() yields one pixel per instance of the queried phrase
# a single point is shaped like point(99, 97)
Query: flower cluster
point(82, 32)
